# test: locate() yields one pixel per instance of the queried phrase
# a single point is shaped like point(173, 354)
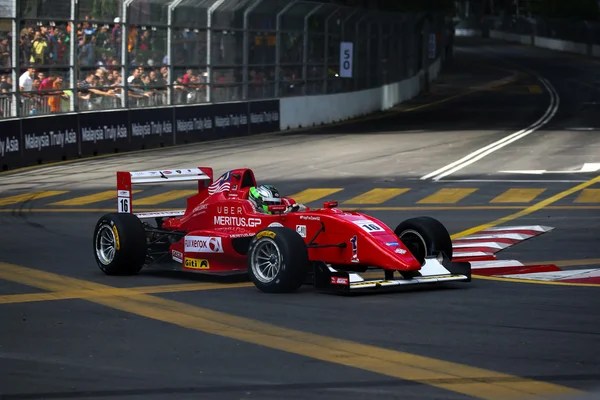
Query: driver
point(264, 196)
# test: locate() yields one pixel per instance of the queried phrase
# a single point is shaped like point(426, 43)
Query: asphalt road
point(222, 338)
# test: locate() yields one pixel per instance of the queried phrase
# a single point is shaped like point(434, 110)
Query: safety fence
point(68, 67)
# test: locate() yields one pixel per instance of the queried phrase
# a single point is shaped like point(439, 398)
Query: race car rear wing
point(125, 181)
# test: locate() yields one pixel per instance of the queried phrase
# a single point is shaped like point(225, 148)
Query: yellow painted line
point(391, 208)
point(314, 194)
point(454, 377)
point(588, 196)
point(90, 199)
point(447, 196)
point(86, 294)
point(376, 196)
point(515, 195)
point(163, 197)
point(529, 210)
point(535, 89)
point(21, 198)
point(515, 280)
point(500, 83)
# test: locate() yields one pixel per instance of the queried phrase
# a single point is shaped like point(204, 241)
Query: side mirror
point(330, 204)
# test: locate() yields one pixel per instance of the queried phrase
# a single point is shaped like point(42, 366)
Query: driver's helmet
point(264, 196)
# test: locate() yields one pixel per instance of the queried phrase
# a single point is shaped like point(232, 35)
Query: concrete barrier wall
point(307, 111)
point(547, 43)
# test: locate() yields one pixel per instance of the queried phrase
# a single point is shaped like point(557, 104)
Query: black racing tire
point(128, 241)
point(424, 237)
point(289, 256)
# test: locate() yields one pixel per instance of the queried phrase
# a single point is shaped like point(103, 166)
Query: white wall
point(306, 111)
point(546, 43)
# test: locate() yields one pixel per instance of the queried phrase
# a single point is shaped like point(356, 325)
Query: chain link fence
point(60, 56)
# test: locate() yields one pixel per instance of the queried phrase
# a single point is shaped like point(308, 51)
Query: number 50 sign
point(346, 59)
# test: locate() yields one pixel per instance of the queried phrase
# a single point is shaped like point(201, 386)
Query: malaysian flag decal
point(221, 185)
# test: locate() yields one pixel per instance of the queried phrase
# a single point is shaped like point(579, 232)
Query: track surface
point(117, 345)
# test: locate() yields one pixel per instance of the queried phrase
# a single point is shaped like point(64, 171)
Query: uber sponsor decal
point(194, 263)
point(203, 244)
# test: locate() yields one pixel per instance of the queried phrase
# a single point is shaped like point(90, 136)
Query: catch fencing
point(78, 60)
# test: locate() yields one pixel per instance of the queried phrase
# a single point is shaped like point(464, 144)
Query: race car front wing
point(435, 270)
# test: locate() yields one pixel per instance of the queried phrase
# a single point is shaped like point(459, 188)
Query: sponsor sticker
point(117, 240)
point(392, 244)
point(310, 218)
point(177, 256)
point(338, 280)
point(265, 233)
point(203, 244)
point(301, 229)
point(400, 251)
point(243, 222)
point(369, 225)
point(194, 263)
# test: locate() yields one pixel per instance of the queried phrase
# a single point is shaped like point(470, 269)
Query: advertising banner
point(10, 145)
point(231, 119)
point(194, 123)
point(104, 132)
point(51, 138)
point(264, 116)
point(151, 127)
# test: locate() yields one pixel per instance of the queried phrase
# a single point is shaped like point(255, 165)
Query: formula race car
point(280, 244)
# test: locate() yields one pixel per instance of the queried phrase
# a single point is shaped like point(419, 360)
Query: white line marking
point(479, 154)
point(515, 180)
point(495, 264)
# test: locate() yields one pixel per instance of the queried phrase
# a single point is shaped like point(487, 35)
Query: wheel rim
point(415, 244)
point(105, 245)
point(266, 260)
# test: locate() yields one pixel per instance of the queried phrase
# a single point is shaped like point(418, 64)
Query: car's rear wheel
point(424, 237)
point(277, 260)
point(120, 244)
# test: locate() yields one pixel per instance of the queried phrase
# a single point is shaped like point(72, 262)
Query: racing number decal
point(123, 204)
point(369, 226)
point(354, 242)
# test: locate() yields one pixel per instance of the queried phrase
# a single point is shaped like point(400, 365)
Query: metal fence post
point(170, 10)
point(124, 54)
point(326, 56)
point(356, 51)
point(305, 48)
point(278, 44)
point(73, 103)
point(16, 62)
point(245, 51)
point(209, 70)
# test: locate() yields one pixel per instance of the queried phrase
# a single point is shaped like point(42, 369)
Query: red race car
point(233, 225)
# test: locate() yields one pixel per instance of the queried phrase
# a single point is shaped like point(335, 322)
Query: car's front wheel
point(120, 244)
point(277, 260)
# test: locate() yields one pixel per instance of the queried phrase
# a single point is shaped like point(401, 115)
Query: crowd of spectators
point(44, 69)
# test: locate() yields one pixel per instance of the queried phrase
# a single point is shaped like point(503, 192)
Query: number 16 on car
point(346, 59)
